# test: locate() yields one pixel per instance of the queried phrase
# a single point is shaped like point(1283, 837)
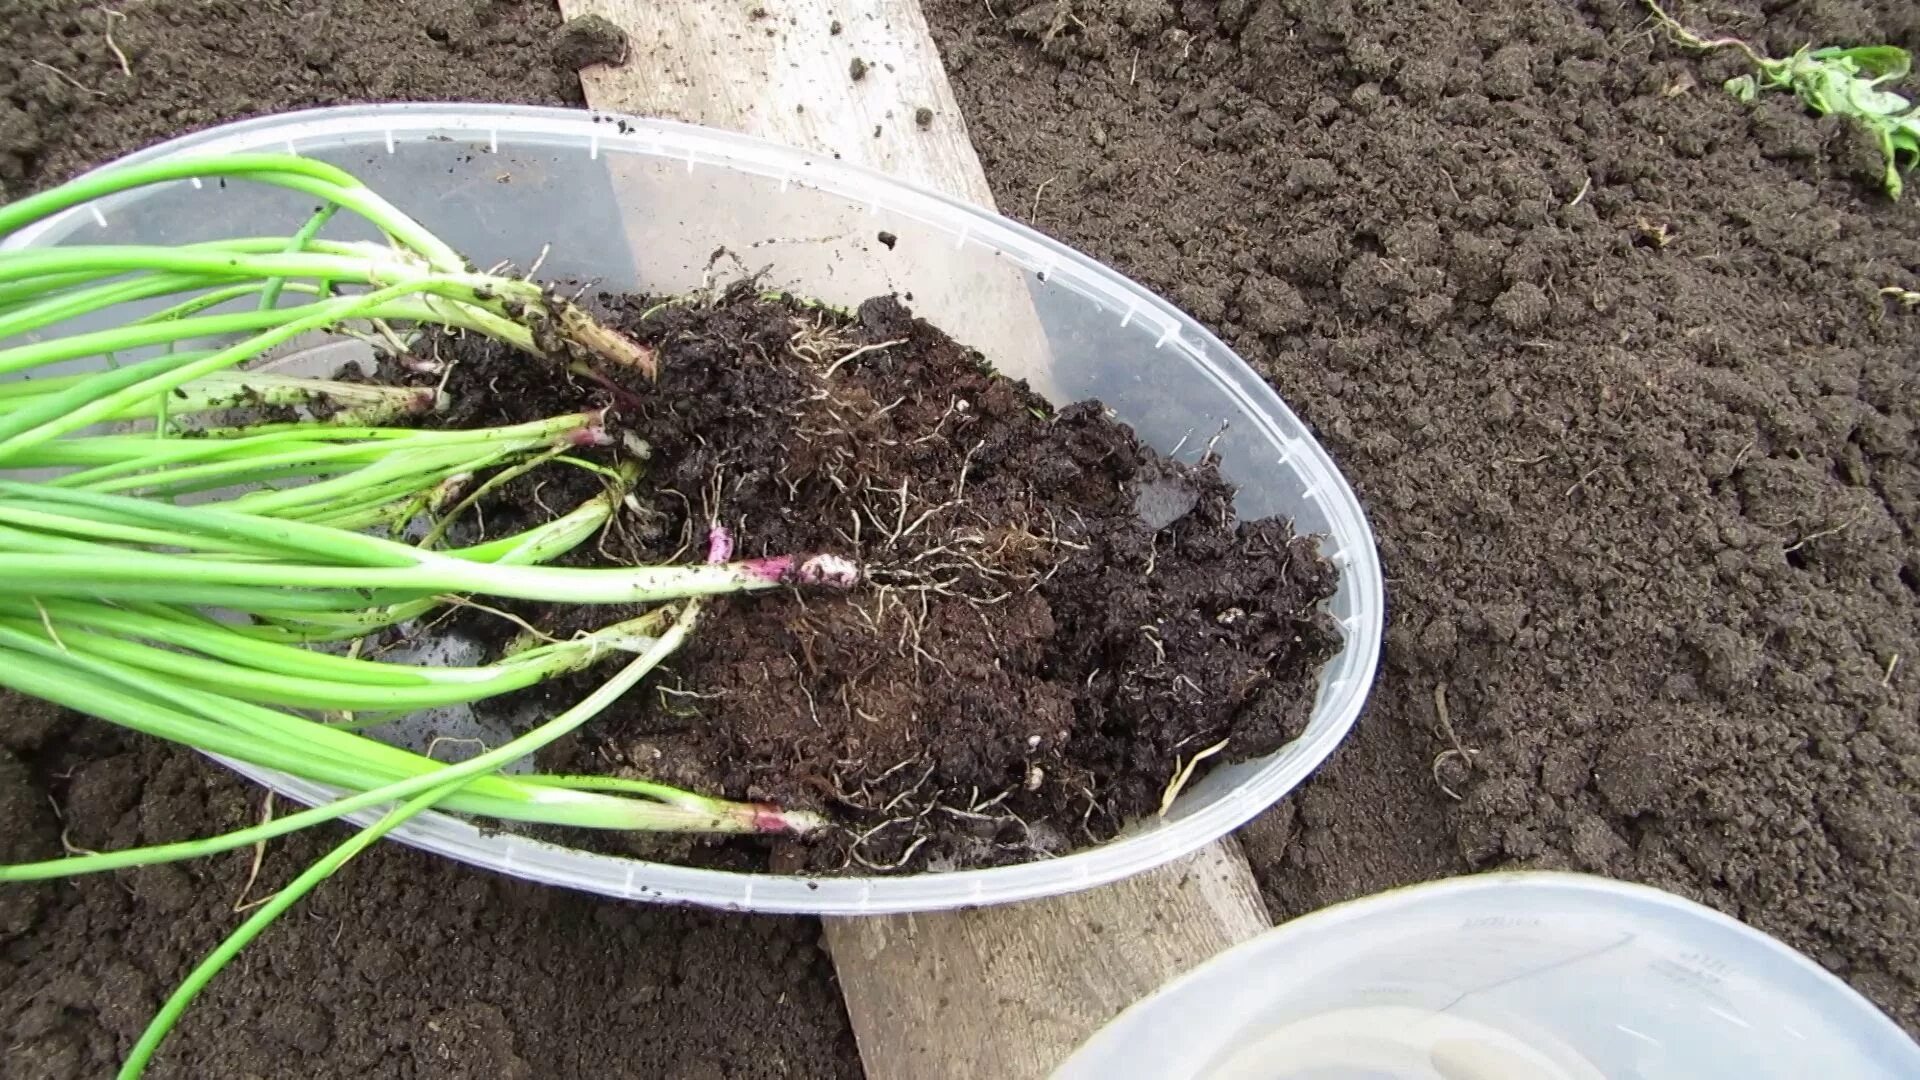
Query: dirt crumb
point(589, 40)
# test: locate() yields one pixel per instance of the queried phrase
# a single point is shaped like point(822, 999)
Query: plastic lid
point(1538, 975)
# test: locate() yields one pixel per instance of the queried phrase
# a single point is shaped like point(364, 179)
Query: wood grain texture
point(1002, 993)
point(1007, 993)
point(786, 76)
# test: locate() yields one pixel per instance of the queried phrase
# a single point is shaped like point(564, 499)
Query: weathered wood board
point(998, 993)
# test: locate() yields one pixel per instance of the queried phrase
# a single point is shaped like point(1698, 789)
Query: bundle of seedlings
point(170, 579)
point(941, 624)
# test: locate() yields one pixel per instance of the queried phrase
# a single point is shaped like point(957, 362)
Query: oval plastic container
point(1528, 976)
point(627, 204)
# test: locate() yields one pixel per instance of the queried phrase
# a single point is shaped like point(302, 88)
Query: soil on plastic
point(1605, 354)
point(1056, 620)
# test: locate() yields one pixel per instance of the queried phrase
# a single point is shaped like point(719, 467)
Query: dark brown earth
point(1585, 489)
point(68, 105)
point(1032, 662)
point(590, 39)
point(404, 965)
point(1605, 355)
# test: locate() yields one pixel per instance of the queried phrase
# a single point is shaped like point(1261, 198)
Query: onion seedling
point(343, 404)
point(416, 278)
point(92, 676)
point(79, 560)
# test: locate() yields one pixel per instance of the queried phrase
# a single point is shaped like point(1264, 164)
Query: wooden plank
point(786, 76)
point(998, 993)
point(1007, 993)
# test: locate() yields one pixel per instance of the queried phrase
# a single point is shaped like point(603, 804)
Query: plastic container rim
point(1127, 854)
point(1591, 887)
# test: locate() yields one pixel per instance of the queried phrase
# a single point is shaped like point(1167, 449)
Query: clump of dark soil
point(590, 39)
point(1604, 353)
point(1056, 620)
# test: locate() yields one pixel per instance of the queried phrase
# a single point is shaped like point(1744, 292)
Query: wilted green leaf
point(1834, 80)
point(1873, 61)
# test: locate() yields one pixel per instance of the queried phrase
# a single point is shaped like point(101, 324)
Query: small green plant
point(1841, 81)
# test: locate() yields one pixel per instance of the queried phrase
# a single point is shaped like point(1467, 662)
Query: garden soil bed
point(1603, 351)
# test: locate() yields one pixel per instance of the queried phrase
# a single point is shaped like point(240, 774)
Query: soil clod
point(1059, 623)
point(589, 40)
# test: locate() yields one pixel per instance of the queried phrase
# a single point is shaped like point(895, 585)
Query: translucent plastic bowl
point(643, 205)
point(1533, 976)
